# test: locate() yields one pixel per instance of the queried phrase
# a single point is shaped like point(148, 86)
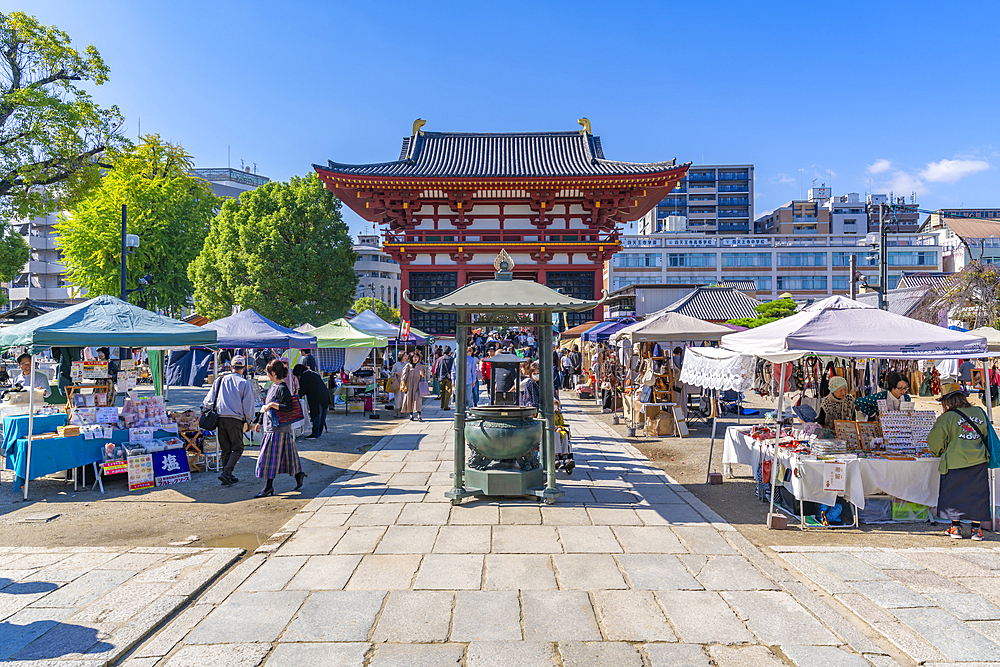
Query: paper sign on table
point(141, 434)
point(835, 477)
point(107, 415)
point(140, 472)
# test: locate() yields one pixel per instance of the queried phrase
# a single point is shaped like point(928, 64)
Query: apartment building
point(42, 278)
point(711, 199)
point(378, 273)
point(807, 265)
point(231, 183)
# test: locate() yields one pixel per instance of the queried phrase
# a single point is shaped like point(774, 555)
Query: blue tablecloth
point(16, 427)
point(52, 455)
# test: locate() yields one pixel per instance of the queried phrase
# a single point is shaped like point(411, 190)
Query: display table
point(914, 481)
point(16, 427)
point(52, 455)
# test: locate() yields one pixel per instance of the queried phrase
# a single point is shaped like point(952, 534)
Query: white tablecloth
point(914, 481)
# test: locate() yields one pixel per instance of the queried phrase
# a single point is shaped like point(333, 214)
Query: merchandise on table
point(826, 447)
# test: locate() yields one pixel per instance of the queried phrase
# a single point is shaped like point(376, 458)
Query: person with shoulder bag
point(962, 437)
point(277, 449)
point(232, 406)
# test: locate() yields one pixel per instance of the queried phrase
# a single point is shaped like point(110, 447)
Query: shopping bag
point(423, 388)
point(293, 415)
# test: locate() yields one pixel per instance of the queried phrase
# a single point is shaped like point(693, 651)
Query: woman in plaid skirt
point(277, 450)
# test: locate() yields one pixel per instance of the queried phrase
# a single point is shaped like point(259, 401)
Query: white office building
point(377, 272)
point(711, 199)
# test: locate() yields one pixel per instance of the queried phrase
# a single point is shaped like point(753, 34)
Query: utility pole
point(853, 264)
point(124, 292)
point(883, 278)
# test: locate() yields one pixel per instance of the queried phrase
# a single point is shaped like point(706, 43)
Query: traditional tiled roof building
point(452, 201)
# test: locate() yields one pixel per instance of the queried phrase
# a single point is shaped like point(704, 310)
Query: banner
point(171, 467)
point(140, 472)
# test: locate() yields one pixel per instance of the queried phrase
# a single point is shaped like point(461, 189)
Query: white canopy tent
point(671, 327)
point(842, 327)
point(991, 335)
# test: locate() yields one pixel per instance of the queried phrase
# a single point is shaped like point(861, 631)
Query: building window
point(763, 282)
point(913, 258)
point(802, 283)
point(578, 284)
point(694, 259)
point(801, 259)
point(631, 260)
point(429, 285)
point(746, 259)
point(863, 258)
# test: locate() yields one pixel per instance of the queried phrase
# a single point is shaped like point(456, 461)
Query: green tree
point(168, 208)
point(382, 309)
point(52, 134)
point(772, 311)
point(282, 250)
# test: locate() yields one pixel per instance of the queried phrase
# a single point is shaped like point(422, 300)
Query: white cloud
point(949, 171)
point(782, 178)
point(879, 166)
point(901, 184)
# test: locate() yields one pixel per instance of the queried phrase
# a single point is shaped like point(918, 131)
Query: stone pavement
point(88, 606)
point(938, 605)
point(628, 569)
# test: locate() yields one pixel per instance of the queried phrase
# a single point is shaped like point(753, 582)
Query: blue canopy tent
point(249, 329)
point(603, 331)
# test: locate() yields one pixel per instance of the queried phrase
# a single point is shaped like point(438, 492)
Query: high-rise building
point(377, 272)
point(42, 278)
point(711, 199)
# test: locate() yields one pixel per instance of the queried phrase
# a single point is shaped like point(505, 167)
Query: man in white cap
point(233, 399)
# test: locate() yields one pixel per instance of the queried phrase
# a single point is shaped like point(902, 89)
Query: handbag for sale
point(646, 395)
point(649, 378)
point(293, 415)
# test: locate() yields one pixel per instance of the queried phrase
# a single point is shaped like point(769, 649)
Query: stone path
point(88, 606)
point(936, 605)
point(628, 569)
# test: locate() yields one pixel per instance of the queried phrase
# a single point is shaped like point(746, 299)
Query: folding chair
point(731, 401)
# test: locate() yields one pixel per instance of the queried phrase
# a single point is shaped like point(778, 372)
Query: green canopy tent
point(341, 333)
point(103, 320)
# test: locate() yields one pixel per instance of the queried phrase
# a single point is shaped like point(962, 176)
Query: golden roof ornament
point(504, 265)
point(585, 122)
point(417, 124)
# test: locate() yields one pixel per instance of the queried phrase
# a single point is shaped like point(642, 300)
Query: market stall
point(650, 385)
point(102, 321)
point(841, 327)
point(356, 346)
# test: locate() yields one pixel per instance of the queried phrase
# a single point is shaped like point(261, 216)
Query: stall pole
point(989, 416)
point(31, 423)
point(714, 394)
point(777, 437)
point(458, 490)
point(546, 371)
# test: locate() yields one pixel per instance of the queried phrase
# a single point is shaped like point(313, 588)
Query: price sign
point(835, 477)
point(140, 472)
point(95, 369)
point(107, 415)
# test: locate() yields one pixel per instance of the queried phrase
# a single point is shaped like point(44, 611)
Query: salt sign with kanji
point(171, 467)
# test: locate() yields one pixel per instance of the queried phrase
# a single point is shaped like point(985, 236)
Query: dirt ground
point(686, 460)
point(200, 512)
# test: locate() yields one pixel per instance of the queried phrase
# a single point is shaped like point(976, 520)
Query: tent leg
point(711, 444)
point(992, 473)
point(777, 437)
point(31, 424)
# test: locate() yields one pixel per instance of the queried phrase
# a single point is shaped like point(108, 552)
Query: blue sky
point(866, 96)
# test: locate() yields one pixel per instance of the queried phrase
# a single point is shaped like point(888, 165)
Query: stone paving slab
point(629, 568)
point(933, 604)
point(91, 606)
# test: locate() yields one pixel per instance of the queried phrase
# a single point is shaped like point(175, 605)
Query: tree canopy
point(170, 210)
point(382, 309)
point(51, 131)
point(282, 250)
point(771, 311)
